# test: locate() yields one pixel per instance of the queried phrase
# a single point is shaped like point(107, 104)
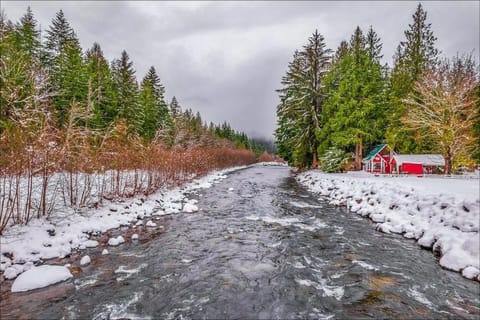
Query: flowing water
point(260, 248)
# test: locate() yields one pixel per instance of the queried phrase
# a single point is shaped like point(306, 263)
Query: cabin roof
point(424, 159)
point(375, 150)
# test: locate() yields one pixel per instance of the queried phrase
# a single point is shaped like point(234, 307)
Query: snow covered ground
point(24, 246)
point(441, 213)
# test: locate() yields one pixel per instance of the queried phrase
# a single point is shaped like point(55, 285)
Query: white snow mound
point(85, 260)
point(189, 208)
point(39, 277)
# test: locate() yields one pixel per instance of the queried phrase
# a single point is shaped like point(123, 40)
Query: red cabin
point(378, 160)
point(418, 163)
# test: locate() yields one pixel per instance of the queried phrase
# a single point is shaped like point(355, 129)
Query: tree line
point(334, 106)
point(76, 129)
point(57, 78)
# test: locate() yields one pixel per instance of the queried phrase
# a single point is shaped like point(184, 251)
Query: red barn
point(378, 160)
point(418, 163)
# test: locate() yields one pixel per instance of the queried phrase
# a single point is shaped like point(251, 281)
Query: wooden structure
point(418, 163)
point(378, 160)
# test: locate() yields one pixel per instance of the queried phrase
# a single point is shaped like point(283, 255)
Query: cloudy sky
point(225, 59)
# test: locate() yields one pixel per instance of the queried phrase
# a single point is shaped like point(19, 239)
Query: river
point(261, 247)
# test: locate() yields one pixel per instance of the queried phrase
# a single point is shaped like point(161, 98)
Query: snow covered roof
point(424, 159)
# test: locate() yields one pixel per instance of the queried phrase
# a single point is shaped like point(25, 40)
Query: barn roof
point(375, 150)
point(424, 159)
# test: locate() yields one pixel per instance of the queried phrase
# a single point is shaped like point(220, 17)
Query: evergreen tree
point(175, 112)
point(155, 111)
point(413, 56)
point(302, 101)
point(150, 112)
point(101, 89)
point(374, 45)
point(28, 35)
point(354, 113)
point(23, 83)
point(341, 51)
point(127, 92)
point(165, 121)
point(63, 58)
point(174, 108)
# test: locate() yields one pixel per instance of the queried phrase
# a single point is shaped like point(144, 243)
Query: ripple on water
point(126, 272)
point(336, 292)
point(304, 205)
point(120, 310)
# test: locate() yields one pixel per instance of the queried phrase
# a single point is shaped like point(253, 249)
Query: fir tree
point(413, 56)
point(302, 101)
point(165, 121)
point(127, 91)
point(101, 88)
point(374, 45)
point(354, 113)
point(28, 35)
point(341, 51)
point(63, 58)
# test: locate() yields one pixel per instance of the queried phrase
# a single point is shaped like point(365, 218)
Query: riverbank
point(441, 214)
point(25, 246)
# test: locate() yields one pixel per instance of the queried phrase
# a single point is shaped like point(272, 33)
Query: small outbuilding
point(418, 163)
point(378, 160)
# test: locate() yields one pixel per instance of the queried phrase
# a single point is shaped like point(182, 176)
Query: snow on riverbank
point(63, 232)
point(442, 214)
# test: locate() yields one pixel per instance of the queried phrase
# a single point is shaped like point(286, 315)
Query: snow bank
point(442, 214)
point(66, 231)
point(39, 277)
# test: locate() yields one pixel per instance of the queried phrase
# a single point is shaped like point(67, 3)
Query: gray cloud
point(225, 59)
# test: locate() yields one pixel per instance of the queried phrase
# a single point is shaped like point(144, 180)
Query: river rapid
point(261, 247)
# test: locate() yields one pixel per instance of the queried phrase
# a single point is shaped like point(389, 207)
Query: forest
point(76, 125)
point(336, 105)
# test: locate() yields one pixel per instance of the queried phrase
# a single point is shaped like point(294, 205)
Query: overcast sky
point(225, 59)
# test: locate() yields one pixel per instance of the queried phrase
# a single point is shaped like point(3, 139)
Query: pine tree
point(165, 121)
point(413, 56)
point(174, 108)
point(152, 101)
point(302, 101)
point(127, 91)
point(341, 51)
point(63, 58)
point(102, 98)
point(23, 83)
point(175, 112)
point(28, 35)
point(354, 113)
point(374, 45)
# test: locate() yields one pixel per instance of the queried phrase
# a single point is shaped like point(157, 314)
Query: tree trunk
point(448, 160)
point(315, 160)
point(448, 164)
point(358, 155)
